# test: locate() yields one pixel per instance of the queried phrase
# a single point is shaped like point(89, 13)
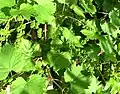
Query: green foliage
point(35, 85)
point(59, 47)
point(7, 3)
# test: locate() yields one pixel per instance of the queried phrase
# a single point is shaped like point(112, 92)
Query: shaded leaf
point(58, 61)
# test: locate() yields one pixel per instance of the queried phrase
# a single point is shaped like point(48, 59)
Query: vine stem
point(45, 31)
point(53, 80)
point(102, 76)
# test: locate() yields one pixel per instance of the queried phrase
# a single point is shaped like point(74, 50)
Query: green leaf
point(114, 17)
point(114, 84)
point(25, 10)
point(26, 49)
point(110, 29)
point(7, 3)
point(108, 5)
point(52, 92)
point(106, 45)
point(78, 10)
point(90, 29)
point(3, 92)
point(94, 85)
point(79, 85)
point(67, 33)
point(70, 37)
point(2, 17)
point(93, 50)
point(67, 1)
point(74, 70)
point(45, 11)
point(4, 34)
point(15, 58)
point(41, 2)
point(58, 61)
point(35, 85)
point(62, 1)
point(10, 59)
point(88, 6)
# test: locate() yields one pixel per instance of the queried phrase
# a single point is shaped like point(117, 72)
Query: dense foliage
point(59, 47)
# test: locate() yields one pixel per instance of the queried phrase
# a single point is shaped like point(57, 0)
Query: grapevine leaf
point(58, 61)
point(35, 85)
point(62, 1)
point(89, 34)
point(45, 11)
point(78, 10)
point(52, 92)
point(15, 59)
point(75, 70)
point(114, 84)
point(41, 2)
point(79, 84)
point(114, 17)
point(70, 37)
point(90, 30)
point(67, 1)
point(18, 85)
point(2, 16)
point(10, 59)
point(88, 6)
point(108, 5)
point(93, 50)
point(27, 50)
point(106, 46)
point(94, 86)
point(25, 10)
point(7, 3)
point(110, 29)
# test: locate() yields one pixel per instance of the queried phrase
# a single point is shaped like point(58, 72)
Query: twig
point(45, 31)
